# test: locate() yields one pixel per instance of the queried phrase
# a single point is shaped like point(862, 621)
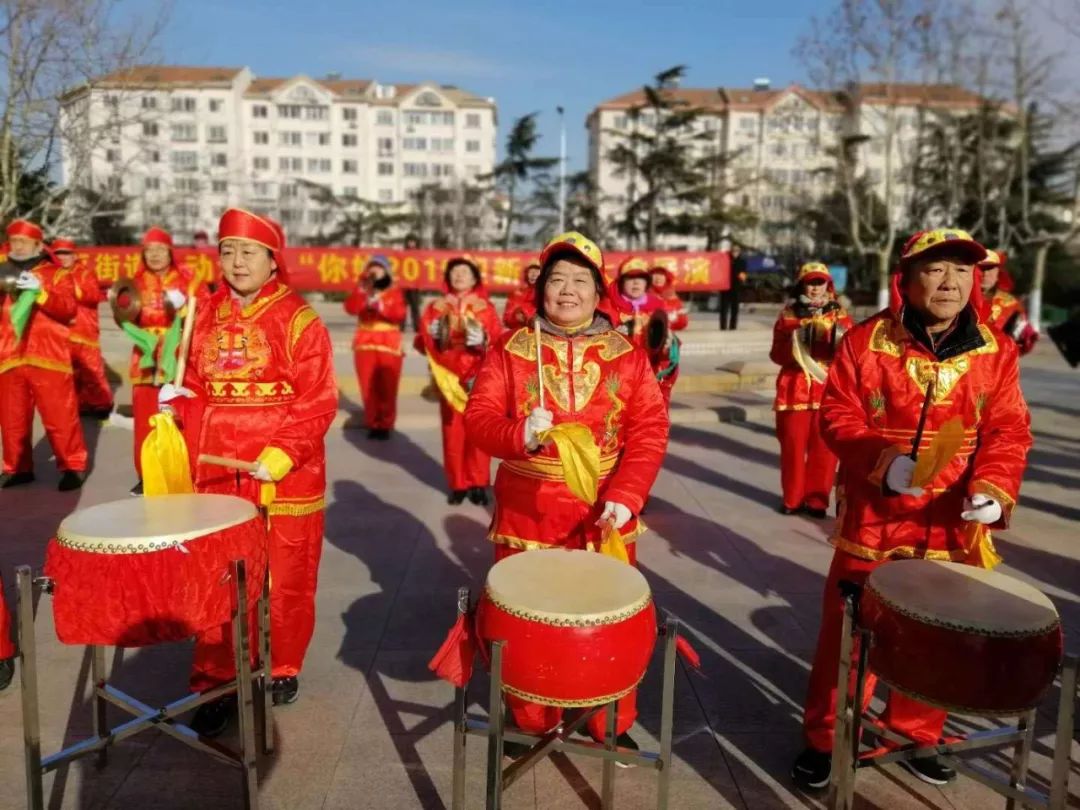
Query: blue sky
point(530, 56)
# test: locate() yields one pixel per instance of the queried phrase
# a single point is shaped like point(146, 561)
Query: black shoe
point(384, 434)
point(812, 770)
point(930, 770)
point(457, 496)
point(624, 740)
point(372, 434)
point(211, 719)
point(10, 480)
point(69, 481)
point(820, 514)
point(7, 672)
point(478, 495)
point(784, 510)
point(100, 414)
point(284, 691)
point(136, 491)
point(515, 750)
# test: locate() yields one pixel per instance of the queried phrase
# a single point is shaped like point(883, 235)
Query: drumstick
point(185, 339)
point(922, 420)
point(231, 463)
point(539, 362)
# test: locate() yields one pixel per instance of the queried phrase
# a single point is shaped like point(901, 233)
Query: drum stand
point(251, 687)
point(847, 757)
point(499, 778)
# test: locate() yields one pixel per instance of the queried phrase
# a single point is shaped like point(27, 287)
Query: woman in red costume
point(630, 304)
point(593, 376)
point(930, 347)
point(805, 338)
point(456, 332)
point(380, 307)
point(163, 289)
point(521, 303)
point(666, 363)
point(260, 387)
point(1002, 309)
point(91, 385)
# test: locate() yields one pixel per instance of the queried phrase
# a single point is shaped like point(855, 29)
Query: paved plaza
point(372, 726)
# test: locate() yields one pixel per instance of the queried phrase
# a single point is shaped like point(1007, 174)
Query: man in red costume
point(592, 376)
point(260, 387)
point(36, 311)
point(930, 347)
point(91, 385)
point(456, 332)
point(162, 288)
point(521, 303)
point(380, 307)
point(1002, 309)
point(666, 362)
point(805, 338)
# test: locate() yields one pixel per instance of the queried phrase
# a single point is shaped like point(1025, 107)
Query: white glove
point(981, 509)
point(616, 514)
point(27, 281)
point(474, 335)
point(434, 329)
point(168, 392)
point(537, 422)
point(262, 474)
point(898, 476)
point(175, 298)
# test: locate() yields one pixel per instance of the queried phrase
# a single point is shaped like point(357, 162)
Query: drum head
point(962, 596)
point(138, 525)
point(576, 586)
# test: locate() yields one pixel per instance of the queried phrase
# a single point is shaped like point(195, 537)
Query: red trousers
point(53, 394)
point(536, 718)
point(379, 373)
point(902, 714)
point(7, 647)
point(295, 550)
point(144, 404)
point(465, 465)
point(807, 465)
point(91, 385)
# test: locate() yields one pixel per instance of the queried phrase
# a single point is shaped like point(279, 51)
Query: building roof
point(706, 98)
point(159, 75)
point(945, 95)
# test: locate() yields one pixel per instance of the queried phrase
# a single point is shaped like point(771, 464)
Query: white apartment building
point(183, 143)
point(779, 146)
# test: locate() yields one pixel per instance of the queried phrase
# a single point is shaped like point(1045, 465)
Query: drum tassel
point(454, 660)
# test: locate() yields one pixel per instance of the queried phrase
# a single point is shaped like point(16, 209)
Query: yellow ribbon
point(980, 547)
point(165, 466)
point(579, 456)
point(942, 450)
point(612, 545)
point(449, 386)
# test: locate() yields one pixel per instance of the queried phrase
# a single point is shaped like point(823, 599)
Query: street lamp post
point(562, 170)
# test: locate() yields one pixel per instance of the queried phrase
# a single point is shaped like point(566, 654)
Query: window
point(215, 135)
point(416, 144)
point(349, 191)
point(317, 138)
point(620, 121)
point(291, 164)
point(154, 156)
point(415, 169)
point(349, 167)
point(183, 104)
point(413, 118)
point(386, 147)
point(290, 191)
point(149, 103)
point(442, 144)
point(187, 185)
point(260, 189)
point(153, 183)
point(386, 169)
point(216, 105)
point(261, 138)
point(184, 132)
point(262, 164)
point(112, 155)
point(348, 140)
point(291, 215)
point(289, 138)
point(472, 120)
point(778, 149)
point(288, 110)
point(318, 165)
point(442, 169)
point(185, 161)
point(386, 195)
point(445, 118)
point(155, 212)
point(259, 111)
point(472, 146)
point(149, 129)
point(320, 217)
point(219, 160)
point(348, 113)
point(316, 113)
point(384, 118)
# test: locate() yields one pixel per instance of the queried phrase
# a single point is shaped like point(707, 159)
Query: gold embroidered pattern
point(602, 700)
point(947, 373)
point(301, 320)
point(898, 552)
point(296, 508)
point(237, 351)
point(253, 392)
point(224, 311)
point(35, 362)
point(888, 338)
point(613, 418)
point(877, 406)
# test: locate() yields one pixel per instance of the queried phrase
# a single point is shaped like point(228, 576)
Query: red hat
point(157, 236)
point(236, 223)
point(634, 267)
point(577, 243)
point(942, 240)
point(813, 270)
point(669, 277)
point(24, 227)
point(63, 246)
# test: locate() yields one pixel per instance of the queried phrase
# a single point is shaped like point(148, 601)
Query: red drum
point(579, 627)
point(959, 637)
point(145, 570)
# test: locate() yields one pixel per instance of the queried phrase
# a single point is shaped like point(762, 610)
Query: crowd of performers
point(576, 352)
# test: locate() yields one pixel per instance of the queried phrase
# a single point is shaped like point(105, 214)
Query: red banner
point(327, 268)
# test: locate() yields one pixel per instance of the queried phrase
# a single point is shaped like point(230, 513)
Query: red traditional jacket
point(869, 414)
point(595, 377)
point(632, 323)
point(87, 328)
point(154, 315)
point(520, 307)
point(1006, 313)
point(263, 376)
point(796, 388)
point(456, 312)
point(678, 318)
point(45, 341)
point(382, 315)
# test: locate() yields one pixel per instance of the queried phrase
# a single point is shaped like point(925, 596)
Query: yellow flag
point(980, 547)
point(580, 458)
point(164, 456)
point(942, 450)
point(449, 386)
point(612, 545)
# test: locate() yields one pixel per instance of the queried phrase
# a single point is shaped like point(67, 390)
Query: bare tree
point(48, 48)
